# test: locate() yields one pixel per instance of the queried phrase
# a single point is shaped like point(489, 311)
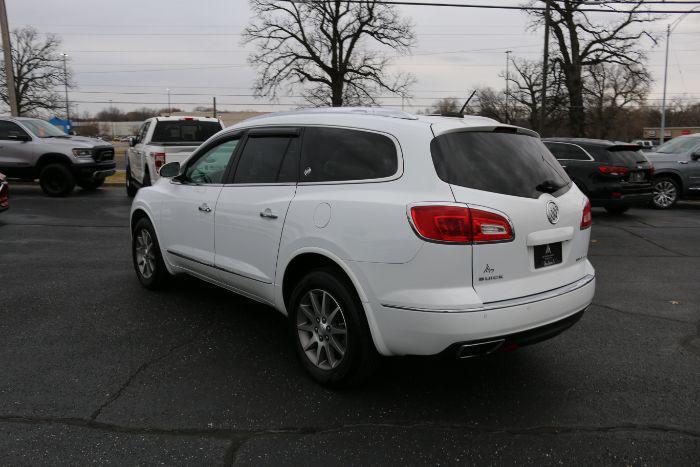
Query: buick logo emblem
point(552, 211)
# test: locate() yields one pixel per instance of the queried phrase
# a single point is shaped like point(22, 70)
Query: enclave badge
point(552, 211)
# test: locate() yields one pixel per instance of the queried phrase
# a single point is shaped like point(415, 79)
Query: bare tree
point(38, 68)
point(584, 43)
point(446, 105)
point(526, 89)
point(331, 49)
point(491, 104)
point(609, 88)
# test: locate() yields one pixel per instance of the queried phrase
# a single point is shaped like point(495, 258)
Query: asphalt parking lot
point(95, 369)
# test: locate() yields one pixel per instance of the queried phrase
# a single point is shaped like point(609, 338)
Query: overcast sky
point(131, 51)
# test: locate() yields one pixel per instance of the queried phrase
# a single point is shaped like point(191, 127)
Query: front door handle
point(204, 208)
point(682, 162)
point(267, 213)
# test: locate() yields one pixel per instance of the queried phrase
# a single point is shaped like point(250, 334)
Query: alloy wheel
point(665, 194)
point(145, 254)
point(322, 329)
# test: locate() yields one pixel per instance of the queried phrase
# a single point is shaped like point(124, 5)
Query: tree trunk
point(574, 86)
point(336, 91)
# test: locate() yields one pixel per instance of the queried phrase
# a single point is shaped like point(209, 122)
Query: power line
point(511, 7)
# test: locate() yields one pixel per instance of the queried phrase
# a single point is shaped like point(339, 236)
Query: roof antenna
point(461, 111)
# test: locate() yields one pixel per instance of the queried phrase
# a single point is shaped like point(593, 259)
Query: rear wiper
point(548, 186)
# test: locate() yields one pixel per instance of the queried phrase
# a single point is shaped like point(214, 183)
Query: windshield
point(184, 131)
point(43, 129)
point(678, 145)
point(506, 163)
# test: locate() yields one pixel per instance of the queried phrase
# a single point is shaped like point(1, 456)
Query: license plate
point(637, 177)
point(547, 255)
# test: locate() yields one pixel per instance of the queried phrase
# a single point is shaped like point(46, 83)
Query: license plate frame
point(548, 254)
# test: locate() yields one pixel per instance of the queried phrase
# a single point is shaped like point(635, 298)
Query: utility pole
point(9, 69)
point(545, 62)
point(168, 101)
point(65, 85)
point(508, 52)
point(214, 107)
point(110, 108)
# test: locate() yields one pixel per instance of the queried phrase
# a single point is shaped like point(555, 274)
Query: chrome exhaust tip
point(479, 349)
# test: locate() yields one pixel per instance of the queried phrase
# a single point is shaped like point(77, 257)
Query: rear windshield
point(623, 156)
point(184, 131)
point(506, 163)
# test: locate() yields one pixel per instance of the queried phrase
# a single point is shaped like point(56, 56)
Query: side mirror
point(132, 141)
point(169, 170)
point(17, 136)
point(695, 156)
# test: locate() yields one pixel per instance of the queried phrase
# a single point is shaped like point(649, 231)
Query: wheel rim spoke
point(321, 329)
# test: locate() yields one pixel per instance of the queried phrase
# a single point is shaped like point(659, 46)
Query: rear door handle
point(204, 208)
point(682, 162)
point(267, 213)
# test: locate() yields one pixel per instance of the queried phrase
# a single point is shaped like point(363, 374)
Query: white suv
point(377, 232)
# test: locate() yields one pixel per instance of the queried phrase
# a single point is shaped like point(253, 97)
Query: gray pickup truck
point(676, 170)
point(32, 149)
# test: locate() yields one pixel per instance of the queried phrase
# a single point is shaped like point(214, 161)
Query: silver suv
point(33, 149)
point(677, 170)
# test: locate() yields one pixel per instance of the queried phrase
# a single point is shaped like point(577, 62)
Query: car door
point(252, 208)
point(187, 215)
point(16, 150)
point(692, 169)
point(136, 152)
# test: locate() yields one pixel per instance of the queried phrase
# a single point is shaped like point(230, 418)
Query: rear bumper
point(622, 195)
point(411, 332)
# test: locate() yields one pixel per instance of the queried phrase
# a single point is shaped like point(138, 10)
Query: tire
point(146, 179)
point(348, 355)
point(617, 209)
point(131, 189)
point(666, 192)
point(56, 180)
point(150, 270)
point(91, 185)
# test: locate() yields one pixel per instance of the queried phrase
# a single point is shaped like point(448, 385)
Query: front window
point(678, 145)
point(43, 129)
point(211, 166)
point(506, 163)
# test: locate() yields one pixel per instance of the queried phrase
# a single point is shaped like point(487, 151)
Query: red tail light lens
point(490, 227)
point(442, 223)
point(586, 217)
point(460, 224)
point(158, 159)
point(613, 170)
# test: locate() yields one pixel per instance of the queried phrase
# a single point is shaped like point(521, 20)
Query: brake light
point(158, 159)
point(586, 218)
point(490, 227)
point(460, 224)
point(187, 118)
point(613, 169)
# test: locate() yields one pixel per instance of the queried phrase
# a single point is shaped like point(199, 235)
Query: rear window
point(338, 154)
point(506, 163)
point(184, 131)
point(624, 156)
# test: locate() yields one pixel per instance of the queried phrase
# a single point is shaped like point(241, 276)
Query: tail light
point(586, 218)
point(460, 224)
point(158, 159)
point(613, 169)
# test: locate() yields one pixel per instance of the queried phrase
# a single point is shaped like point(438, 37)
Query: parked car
point(4, 193)
point(644, 144)
point(613, 175)
point(376, 232)
point(677, 165)
point(161, 140)
point(31, 148)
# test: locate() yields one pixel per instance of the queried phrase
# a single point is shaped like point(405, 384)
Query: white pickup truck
point(161, 140)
